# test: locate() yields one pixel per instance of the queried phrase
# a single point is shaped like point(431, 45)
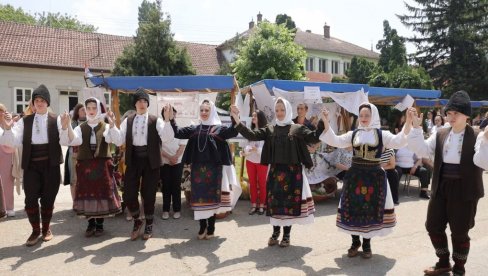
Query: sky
point(214, 21)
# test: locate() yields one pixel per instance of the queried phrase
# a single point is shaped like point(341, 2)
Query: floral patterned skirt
point(206, 186)
point(288, 197)
point(366, 205)
point(96, 189)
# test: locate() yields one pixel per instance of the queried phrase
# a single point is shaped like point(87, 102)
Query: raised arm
point(228, 132)
point(415, 139)
point(329, 137)
point(252, 135)
point(165, 130)
point(12, 133)
point(182, 132)
point(480, 157)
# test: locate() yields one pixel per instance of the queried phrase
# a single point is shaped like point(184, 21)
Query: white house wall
point(55, 80)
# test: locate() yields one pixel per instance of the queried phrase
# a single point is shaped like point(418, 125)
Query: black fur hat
point(41, 92)
point(141, 94)
point(459, 102)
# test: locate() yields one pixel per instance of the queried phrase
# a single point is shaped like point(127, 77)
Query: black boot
point(367, 253)
point(356, 243)
point(99, 227)
point(274, 237)
point(203, 229)
point(211, 227)
point(285, 242)
point(90, 230)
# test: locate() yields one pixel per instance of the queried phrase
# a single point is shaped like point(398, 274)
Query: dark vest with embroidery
point(153, 142)
point(369, 152)
point(102, 150)
point(470, 173)
point(55, 154)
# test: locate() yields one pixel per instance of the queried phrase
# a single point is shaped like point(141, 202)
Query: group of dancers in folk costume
point(365, 209)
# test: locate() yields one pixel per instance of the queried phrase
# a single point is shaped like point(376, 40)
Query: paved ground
point(240, 247)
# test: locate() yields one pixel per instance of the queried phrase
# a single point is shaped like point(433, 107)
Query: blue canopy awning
point(168, 83)
point(377, 95)
point(443, 102)
point(402, 92)
point(297, 86)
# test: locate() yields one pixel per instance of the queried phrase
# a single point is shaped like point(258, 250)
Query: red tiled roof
point(36, 46)
point(318, 42)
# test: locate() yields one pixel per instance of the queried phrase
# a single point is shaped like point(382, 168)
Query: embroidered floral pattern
point(363, 197)
point(284, 187)
point(206, 184)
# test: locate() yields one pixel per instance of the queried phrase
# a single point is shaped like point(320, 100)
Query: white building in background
point(34, 55)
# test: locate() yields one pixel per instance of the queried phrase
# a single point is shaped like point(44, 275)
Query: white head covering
point(375, 117)
point(97, 118)
point(213, 118)
point(288, 120)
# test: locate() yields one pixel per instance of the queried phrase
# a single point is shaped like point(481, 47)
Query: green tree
point(360, 70)
point(59, 21)
point(392, 69)
point(269, 53)
point(393, 53)
point(287, 21)
point(154, 51)
point(55, 20)
point(452, 43)
point(10, 14)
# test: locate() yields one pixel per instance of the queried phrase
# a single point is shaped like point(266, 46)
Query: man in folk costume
point(141, 133)
point(457, 182)
point(39, 136)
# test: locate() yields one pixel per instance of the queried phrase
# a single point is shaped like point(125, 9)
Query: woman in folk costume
point(78, 117)
point(459, 153)
point(96, 194)
point(10, 173)
point(289, 199)
point(366, 206)
point(211, 172)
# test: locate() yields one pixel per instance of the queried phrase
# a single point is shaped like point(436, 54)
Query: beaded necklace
point(206, 138)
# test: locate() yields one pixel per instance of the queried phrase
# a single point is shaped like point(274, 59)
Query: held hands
point(234, 112)
point(65, 120)
point(414, 118)
point(6, 121)
point(325, 118)
point(111, 118)
point(168, 112)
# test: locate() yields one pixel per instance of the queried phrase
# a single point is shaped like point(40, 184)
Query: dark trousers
point(41, 184)
point(139, 176)
point(41, 181)
point(171, 180)
point(393, 180)
point(422, 173)
point(447, 208)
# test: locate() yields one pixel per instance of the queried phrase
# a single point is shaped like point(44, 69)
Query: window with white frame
point(323, 65)
point(346, 66)
point(22, 98)
point(335, 67)
point(309, 64)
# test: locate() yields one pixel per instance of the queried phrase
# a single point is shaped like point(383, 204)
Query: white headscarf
point(288, 120)
point(97, 118)
point(213, 118)
point(375, 118)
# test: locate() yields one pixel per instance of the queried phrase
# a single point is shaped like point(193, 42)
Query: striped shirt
point(386, 156)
